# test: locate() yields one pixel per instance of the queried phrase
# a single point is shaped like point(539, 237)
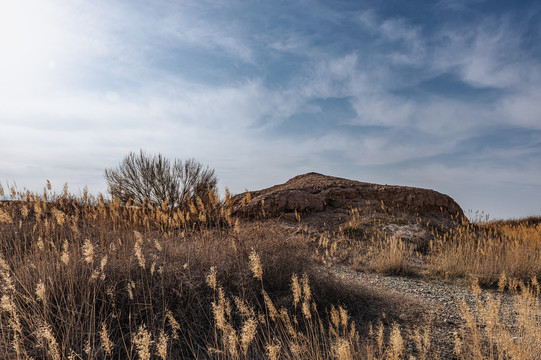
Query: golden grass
point(482, 250)
point(487, 250)
point(486, 335)
point(88, 278)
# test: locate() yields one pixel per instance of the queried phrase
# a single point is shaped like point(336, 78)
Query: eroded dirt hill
point(326, 202)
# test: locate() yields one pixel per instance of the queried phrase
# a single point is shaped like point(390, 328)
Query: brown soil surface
point(324, 202)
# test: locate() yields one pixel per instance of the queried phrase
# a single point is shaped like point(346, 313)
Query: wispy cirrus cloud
point(403, 41)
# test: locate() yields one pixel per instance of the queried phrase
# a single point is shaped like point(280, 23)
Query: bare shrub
point(141, 177)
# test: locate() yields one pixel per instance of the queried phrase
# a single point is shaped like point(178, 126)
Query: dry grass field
point(86, 278)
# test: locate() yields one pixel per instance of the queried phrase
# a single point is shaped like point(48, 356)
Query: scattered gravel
point(440, 299)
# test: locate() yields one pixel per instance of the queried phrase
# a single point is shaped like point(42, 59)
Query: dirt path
point(435, 298)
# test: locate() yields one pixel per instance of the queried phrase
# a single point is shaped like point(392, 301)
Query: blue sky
point(435, 94)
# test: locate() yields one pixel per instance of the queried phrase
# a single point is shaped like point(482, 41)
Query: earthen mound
point(326, 201)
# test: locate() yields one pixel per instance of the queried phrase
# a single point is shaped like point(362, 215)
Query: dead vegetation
point(87, 278)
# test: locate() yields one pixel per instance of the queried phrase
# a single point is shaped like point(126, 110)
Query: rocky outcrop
point(327, 200)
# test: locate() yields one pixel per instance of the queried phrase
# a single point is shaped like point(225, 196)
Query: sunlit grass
point(83, 277)
point(487, 250)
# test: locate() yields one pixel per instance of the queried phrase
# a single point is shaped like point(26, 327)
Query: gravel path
point(440, 299)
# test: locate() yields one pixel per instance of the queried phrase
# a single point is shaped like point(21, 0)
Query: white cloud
point(409, 43)
point(397, 29)
point(187, 28)
point(524, 109)
point(333, 77)
point(383, 109)
point(211, 123)
point(457, 5)
point(291, 42)
point(488, 54)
